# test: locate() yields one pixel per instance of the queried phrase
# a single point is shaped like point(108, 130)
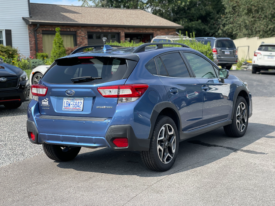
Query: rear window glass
point(268, 48)
point(162, 40)
point(206, 41)
point(109, 69)
point(175, 65)
point(151, 67)
point(225, 43)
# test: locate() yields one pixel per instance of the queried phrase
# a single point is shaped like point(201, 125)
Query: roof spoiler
point(142, 47)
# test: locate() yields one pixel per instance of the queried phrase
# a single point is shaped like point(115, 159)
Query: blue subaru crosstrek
point(146, 99)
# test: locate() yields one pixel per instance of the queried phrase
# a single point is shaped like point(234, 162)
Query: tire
point(12, 105)
point(60, 153)
point(240, 120)
point(156, 160)
point(36, 78)
point(228, 67)
point(254, 70)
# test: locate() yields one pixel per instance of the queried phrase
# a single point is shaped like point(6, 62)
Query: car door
point(182, 90)
point(216, 106)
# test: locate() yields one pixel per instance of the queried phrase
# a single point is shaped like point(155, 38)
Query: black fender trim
point(32, 128)
point(157, 110)
point(236, 94)
point(134, 144)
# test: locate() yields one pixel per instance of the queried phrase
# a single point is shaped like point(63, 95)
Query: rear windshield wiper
point(84, 79)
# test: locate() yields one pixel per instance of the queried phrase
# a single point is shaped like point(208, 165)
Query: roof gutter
point(28, 21)
point(35, 37)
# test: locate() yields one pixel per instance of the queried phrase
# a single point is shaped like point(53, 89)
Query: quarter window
point(151, 67)
point(161, 69)
point(175, 65)
point(200, 67)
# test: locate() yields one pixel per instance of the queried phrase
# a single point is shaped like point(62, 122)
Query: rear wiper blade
point(84, 79)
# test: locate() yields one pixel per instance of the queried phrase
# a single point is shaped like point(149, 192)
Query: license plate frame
point(73, 104)
point(227, 52)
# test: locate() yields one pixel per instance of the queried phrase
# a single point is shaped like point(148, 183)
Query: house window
point(2, 37)
point(69, 40)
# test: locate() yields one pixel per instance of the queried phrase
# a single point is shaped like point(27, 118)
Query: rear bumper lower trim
point(92, 119)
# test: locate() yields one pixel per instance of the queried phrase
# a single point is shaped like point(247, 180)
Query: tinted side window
point(161, 69)
point(225, 43)
point(201, 67)
point(175, 65)
point(151, 67)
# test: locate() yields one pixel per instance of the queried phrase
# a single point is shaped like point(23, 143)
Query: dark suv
point(224, 50)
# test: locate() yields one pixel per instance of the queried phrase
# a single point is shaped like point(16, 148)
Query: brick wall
point(82, 33)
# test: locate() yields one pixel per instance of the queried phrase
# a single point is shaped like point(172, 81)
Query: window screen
point(151, 67)
point(201, 67)
point(175, 65)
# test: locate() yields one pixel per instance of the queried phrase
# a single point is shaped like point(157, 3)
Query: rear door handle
point(174, 90)
point(205, 88)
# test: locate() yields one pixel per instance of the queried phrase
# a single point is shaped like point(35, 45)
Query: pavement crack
point(198, 142)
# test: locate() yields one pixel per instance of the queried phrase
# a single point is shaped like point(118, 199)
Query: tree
point(58, 46)
point(248, 18)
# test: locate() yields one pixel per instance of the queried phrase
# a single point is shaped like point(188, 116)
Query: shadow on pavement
point(22, 110)
point(194, 152)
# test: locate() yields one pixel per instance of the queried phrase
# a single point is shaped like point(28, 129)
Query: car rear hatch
point(226, 50)
point(266, 54)
point(73, 104)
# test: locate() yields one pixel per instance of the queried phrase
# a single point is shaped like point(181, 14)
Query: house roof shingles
point(90, 16)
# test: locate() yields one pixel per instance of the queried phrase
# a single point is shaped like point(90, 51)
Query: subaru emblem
point(3, 79)
point(70, 92)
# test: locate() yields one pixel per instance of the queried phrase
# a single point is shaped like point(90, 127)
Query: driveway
point(211, 169)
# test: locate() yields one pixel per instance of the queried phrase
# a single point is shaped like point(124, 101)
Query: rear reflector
point(125, 93)
point(121, 142)
point(39, 90)
point(32, 136)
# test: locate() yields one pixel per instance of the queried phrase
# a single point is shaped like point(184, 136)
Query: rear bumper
point(221, 61)
point(20, 94)
point(264, 67)
point(114, 131)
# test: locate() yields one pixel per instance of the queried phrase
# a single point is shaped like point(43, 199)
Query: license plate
point(270, 57)
point(227, 52)
point(72, 104)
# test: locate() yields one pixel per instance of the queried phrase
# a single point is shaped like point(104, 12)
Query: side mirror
point(223, 74)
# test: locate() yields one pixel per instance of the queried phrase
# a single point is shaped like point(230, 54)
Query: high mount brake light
point(124, 93)
point(214, 50)
point(85, 57)
point(39, 90)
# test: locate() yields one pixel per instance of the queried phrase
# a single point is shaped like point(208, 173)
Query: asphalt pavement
point(211, 169)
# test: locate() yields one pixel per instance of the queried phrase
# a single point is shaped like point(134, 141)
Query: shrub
point(69, 50)
point(48, 61)
point(8, 52)
point(240, 63)
point(42, 56)
point(58, 46)
point(36, 62)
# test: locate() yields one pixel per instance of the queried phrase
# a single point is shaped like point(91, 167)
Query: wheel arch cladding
point(166, 109)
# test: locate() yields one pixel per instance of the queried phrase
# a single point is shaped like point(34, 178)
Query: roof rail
point(81, 49)
point(142, 47)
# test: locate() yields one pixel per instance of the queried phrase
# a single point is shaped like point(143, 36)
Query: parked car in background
point(135, 99)
point(14, 86)
point(224, 50)
point(264, 58)
point(170, 39)
point(37, 73)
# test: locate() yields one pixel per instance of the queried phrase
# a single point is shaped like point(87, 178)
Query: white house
point(13, 30)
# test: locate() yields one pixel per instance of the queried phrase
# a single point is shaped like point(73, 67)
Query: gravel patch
point(14, 143)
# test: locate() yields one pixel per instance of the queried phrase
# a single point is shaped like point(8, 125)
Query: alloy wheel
point(241, 117)
point(166, 143)
point(36, 79)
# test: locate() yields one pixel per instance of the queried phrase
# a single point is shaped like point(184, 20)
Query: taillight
point(121, 142)
point(256, 53)
point(236, 52)
point(124, 93)
point(39, 90)
point(214, 50)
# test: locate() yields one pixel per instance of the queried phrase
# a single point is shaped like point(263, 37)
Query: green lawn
point(28, 72)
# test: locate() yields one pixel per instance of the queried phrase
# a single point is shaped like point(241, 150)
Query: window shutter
point(8, 38)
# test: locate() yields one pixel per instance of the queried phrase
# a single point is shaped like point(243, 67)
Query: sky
point(62, 2)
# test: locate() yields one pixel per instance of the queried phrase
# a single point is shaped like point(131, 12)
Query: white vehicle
point(169, 39)
point(264, 58)
point(37, 73)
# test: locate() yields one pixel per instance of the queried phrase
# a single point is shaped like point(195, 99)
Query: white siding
point(11, 13)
